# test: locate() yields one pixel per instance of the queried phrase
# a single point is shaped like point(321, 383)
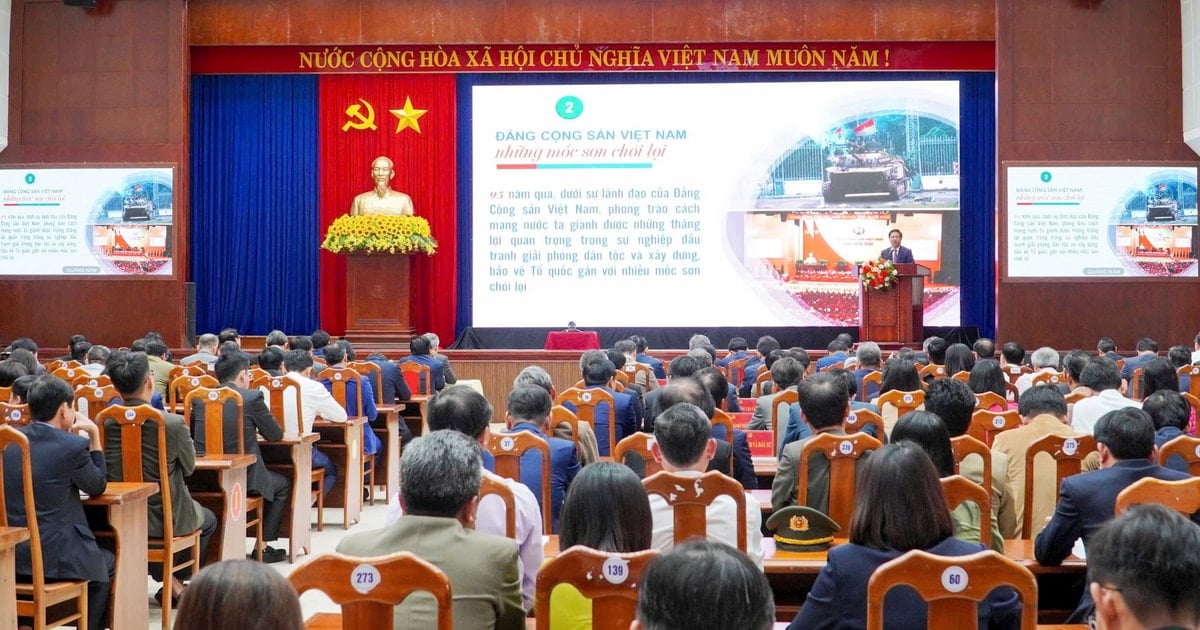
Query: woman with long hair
point(901, 375)
point(988, 376)
point(959, 358)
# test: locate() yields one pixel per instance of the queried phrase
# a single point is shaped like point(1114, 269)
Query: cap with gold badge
point(801, 528)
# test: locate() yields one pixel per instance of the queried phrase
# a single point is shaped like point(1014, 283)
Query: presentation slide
point(1101, 221)
point(86, 221)
point(707, 204)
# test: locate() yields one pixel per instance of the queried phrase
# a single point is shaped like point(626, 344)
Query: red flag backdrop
point(425, 169)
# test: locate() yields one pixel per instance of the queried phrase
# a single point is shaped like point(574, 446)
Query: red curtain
point(425, 170)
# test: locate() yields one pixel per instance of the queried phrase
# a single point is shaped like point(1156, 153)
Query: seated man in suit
point(870, 359)
point(765, 345)
point(271, 360)
point(835, 352)
point(642, 357)
point(585, 442)
point(529, 410)
point(786, 374)
point(394, 389)
point(678, 590)
point(598, 372)
point(63, 465)
point(447, 371)
point(896, 252)
point(1125, 442)
point(684, 446)
point(233, 371)
point(462, 412)
point(1142, 570)
point(738, 349)
point(420, 348)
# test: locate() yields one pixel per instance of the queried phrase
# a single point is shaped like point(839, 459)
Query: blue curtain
point(253, 229)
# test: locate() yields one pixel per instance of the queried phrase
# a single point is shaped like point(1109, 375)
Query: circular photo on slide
point(1163, 199)
point(130, 225)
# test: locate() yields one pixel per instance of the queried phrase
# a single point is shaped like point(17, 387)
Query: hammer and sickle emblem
point(357, 119)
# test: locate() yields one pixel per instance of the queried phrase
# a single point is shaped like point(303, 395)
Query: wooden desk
point(764, 469)
point(342, 442)
point(292, 457)
point(9, 537)
point(223, 477)
point(390, 457)
point(124, 507)
point(420, 403)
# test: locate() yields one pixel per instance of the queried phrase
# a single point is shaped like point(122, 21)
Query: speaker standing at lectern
point(382, 200)
point(897, 253)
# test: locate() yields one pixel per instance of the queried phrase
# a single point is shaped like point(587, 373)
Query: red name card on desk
point(762, 443)
point(741, 419)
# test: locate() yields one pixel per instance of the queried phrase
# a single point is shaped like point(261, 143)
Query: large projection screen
point(87, 221)
point(707, 204)
point(1094, 222)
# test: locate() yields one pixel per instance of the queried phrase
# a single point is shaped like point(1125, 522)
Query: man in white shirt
point(466, 411)
point(683, 444)
point(1101, 375)
point(1044, 359)
point(315, 401)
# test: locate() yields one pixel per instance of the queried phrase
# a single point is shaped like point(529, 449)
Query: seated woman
point(926, 429)
point(959, 358)
point(899, 374)
point(988, 376)
point(898, 507)
point(606, 509)
point(252, 593)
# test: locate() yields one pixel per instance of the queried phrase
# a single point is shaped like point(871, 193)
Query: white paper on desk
point(1079, 550)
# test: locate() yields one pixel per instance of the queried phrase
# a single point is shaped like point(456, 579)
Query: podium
point(895, 314)
point(377, 295)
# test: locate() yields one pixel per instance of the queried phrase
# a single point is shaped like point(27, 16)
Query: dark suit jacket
point(395, 388)
point(743, 464)
point(435, 369)
point(62, 466)
point(564, 465)
point(838, 598)
point(654, 364)
point(904, 255)
point(256, 418)
point(625, 417)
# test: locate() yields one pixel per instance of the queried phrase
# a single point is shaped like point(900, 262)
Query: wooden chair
point(90, 401)
point(1014, 372)
point(1193, 401)
point(953, 586)
point(860, 419)
point(987, 400)
point(211, 403)
point(340, 378)
point(36, 599)
point(508, 448)
point(283, 399)
point(843, 453)
point(67, 374)
point(1053, 378)
point(961, 375)
point(372, 372)
point(1193, 374)
point(58, 363)
point(1186, 447)
point(192, 369)
point(831, 366)
point(1068, 453)
point(1076, 396)
point(933, 371)
point(904, 402)
point(130, 423)
point(1137, 382)
point(764, 377)
point(179, 388)
point(417, 376)
point(781, 405)
point(490, 486)
point(875, 378)
point(560, 414)
point(87, 380)
point(964, 445)
point(1183, 496)
point(368, 589)
point(1014, 394)
point(736, 372)
point(958, 489)
point(585, 402)
point(257, 373)
point(5, 394)
point(638, 443)
point(611, 580)
point(15, 415)
point(724, 419)
point(986, 424)
point(689, 497)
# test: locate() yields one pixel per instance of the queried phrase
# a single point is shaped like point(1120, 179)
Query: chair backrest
point(585, 402)
point(415, 375)
point(638, 443)
point(1054, 378)
point(736, 372)
point(1014, 372)
point(211, 401)
point(958, 489)
point(964, 445)
point(15, 415)
point(1014, 394)
point(180, 386)
point(508, 448)
point(1184, 446)
point(90, 400)
point(987, 400)
point(764, 377)
point(961, 375)
point(986, 424)
point(1076, 396)
point(1138, 381)
point(87, 380)
point(10, 436)
point(1192, 400)
point(130, 423)
point(875, 378)
point(860, 419)
point(904, 402)
point(284, 404)
point(611, 580)
point(1068, 453)
point(340, 379)
point(490, 486)
point(690, 496)
point(952, 585)
point(843, 453)
point(58, 363)
point(780, 405)
point(5, 393)
point(373, 373)
point(560, 414)
point(1183, 495)
point(1193, 374)
point(933, 371)
point(192, 369)
point(257, 373)
point(368, 589)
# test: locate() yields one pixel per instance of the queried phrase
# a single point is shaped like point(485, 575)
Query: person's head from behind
point(1126, 433)
point(898, 501)
point(738, 344)
point(598, 371)
point(19, 394)
point(1044, 358)
point(683, 366)
point(270, 358)
point(984, 348)
point(254, 594)
point(1179, 356)
point(231, 368)
point(276, 338)
point(25, 358)
point(801, 355)
point(683, 438)
point(10, 371)
point(616, 357)
point(530, 404)
point(298, 361)
point(702, 584)
point(129, 371)
point(1073, 364)
point(1167, 408)
point(537, 376)
point(926, 429)
point(1041, 400)
point(869, 355)
point(714, 383)
point(846, 377)
point(301, 342)
point(987, 376)
point(1146, 344)
point(1159, 375)
point(607, 509)
point(1013, 353)
point(766, 344)
point(1099, 374)
point(687, 390)
point(935, 349)
point(208, 342)
point(347, 349)
point(440, 475)
point(50, 400)
point(335, 354)
point(1143, 567)
point(959, 358)
point(626, 347)
point(824, 400)
point(786, 372)
point(1106, 345)
point(79, 350)
point(319, 339)
point(419, 346)
point(704, 355)
point(953, 401)
point(900, 374)
point(836, 346)
point(98, 354)
point(460, 409)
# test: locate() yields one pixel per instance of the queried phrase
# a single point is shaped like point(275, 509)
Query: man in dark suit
point(1125, 442)
point(529, 410)
point(598, 372)
point(897, 253)
point(233, 371)
point(419, 347)
point(394, 390)
point(63, 464)
point(642, 357)
point(743, 464)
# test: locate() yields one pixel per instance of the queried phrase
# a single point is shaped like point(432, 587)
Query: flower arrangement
point(379, 234)
point(878, 274)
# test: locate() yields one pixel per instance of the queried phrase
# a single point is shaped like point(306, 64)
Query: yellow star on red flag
point(408, 116)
